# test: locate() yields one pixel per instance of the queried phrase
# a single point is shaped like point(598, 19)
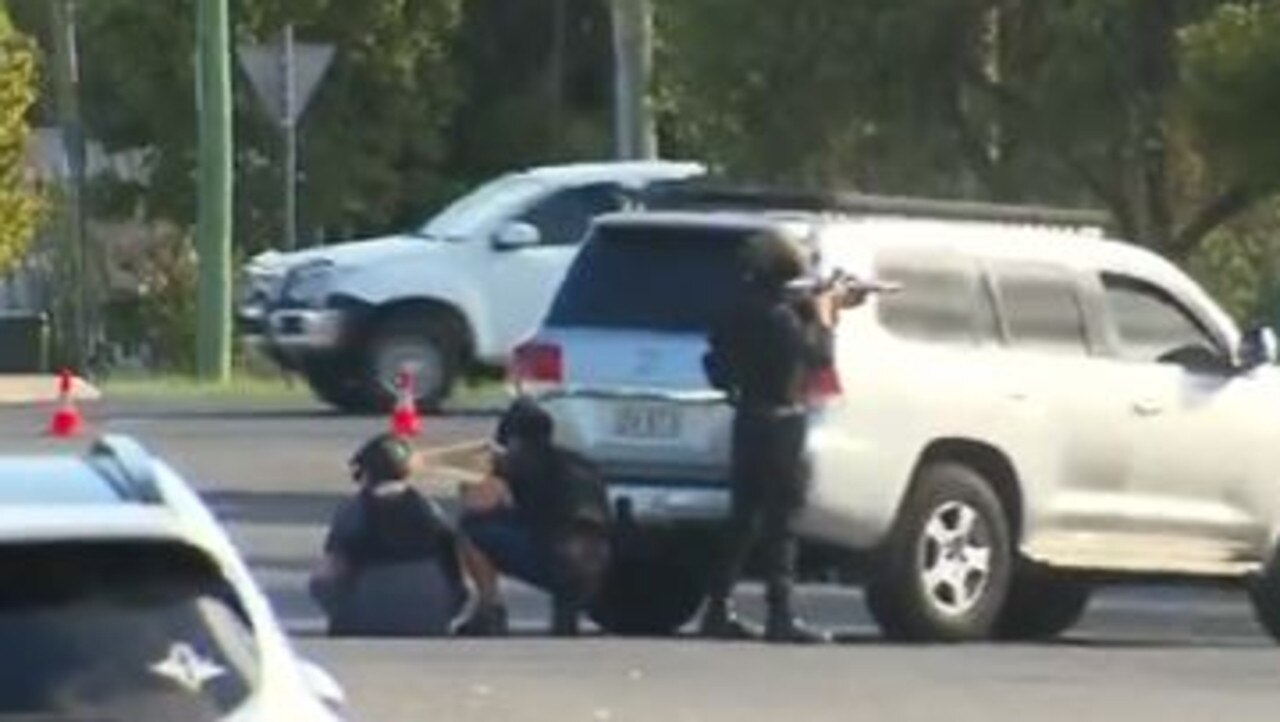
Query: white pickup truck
point(450, 298)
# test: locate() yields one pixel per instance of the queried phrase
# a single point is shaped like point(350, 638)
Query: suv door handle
point(1147, 408)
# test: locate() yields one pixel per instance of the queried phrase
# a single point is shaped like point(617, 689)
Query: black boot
point(719, 621)
point(564, 617)
point(783, 626)
point(488, 620)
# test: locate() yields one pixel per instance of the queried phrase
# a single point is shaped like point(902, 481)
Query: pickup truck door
point(520, 282)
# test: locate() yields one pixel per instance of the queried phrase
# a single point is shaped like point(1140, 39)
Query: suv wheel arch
point(991, 462)
point(444, 329)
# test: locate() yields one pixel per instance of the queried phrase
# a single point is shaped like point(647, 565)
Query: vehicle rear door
point(1057, 383)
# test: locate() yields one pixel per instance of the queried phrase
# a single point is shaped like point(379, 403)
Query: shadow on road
point(308, 508)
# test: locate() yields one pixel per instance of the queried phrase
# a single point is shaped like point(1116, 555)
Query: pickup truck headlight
point(309, 285)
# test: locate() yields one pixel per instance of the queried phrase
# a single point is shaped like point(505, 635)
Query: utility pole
point(633, 63)
point(66, 76)
point(213, 227)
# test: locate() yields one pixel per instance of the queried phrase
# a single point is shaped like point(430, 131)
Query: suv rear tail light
point(825, 385)
point(537, 363)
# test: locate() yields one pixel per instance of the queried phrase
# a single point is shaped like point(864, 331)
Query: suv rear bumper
point(661, 505)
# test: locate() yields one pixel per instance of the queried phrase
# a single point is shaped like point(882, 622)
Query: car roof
point(639, 171)
point(34, 523)
point(1078, 247)
point(109, 493)
point(725, 219)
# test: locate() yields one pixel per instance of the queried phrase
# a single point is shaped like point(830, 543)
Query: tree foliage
point(372, 144)
point(1156, 111)
point(19, 203)
point(1159, 111)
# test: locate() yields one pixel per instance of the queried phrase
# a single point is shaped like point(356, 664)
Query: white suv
point(450, 298)
point(1036, 410)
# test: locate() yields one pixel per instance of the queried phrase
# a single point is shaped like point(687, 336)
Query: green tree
point(1232, 93)
point(535, 78)
point(1134, 106)
point(372, 147)
point(19, 204)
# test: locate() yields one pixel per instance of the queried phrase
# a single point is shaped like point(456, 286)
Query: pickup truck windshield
point(468, 214)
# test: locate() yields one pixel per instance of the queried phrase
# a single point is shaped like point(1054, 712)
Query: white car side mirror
point(1258, 347)
point(516, 234)
point(323, 685)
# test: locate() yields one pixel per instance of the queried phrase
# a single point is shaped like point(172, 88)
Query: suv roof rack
point(127, 466)
point(692, 196)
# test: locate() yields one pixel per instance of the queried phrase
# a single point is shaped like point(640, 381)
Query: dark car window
point(649, 277)
point(1152, 326)
point(1041, 308)
point(942, 299)
point(563, 217)
point(136, 631)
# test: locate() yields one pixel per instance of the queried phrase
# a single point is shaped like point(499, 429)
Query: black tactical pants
point(770, 478)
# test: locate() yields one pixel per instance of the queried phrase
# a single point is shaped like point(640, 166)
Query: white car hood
point(347, 255)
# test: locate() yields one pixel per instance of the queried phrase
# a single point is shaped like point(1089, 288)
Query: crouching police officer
point(764, 352)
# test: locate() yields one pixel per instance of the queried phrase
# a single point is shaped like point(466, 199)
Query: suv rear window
point(649, 277)
point(125, 631)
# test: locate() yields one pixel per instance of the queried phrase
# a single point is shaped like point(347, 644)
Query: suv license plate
point(646, 421)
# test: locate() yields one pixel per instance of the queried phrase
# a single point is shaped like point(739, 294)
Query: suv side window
point(563, 217)
point(1041, 308)
point(942, 298)
point(1153, 326)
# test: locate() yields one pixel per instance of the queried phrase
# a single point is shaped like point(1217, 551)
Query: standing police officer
point(763, 352)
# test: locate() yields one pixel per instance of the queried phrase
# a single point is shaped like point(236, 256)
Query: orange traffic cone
point(405, 420)
point(67, 421)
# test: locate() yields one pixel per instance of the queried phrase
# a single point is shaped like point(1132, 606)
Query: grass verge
point(258, 389)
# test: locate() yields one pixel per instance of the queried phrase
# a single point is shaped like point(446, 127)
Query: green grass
point(262, 389)
point(186, 388)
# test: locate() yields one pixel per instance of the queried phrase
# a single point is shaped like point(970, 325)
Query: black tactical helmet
point(773, 258)
point(385, 457)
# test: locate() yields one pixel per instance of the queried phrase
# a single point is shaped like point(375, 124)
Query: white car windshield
point(466, 215)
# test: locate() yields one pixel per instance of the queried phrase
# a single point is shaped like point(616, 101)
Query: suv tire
point(646, 596)
point(945, 569)
point(423, 340)
point(1264, 593)
point(335, 384)
point(1041, 604)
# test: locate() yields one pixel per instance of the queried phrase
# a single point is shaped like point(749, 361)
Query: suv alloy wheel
point(945, 570)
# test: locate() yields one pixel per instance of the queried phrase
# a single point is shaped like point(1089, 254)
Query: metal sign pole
point(289, 129)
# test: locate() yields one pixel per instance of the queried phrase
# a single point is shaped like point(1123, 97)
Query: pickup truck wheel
point(424, 344)
point(337, 386)
point(944, 572)
point(1041, 604)
point(1264, 592)
point(647, 597)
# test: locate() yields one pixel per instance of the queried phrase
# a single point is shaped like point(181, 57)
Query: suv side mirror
point(516, 234)
point(1258, 347)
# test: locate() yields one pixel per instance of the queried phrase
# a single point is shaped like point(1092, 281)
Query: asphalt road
point(1143, 653)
